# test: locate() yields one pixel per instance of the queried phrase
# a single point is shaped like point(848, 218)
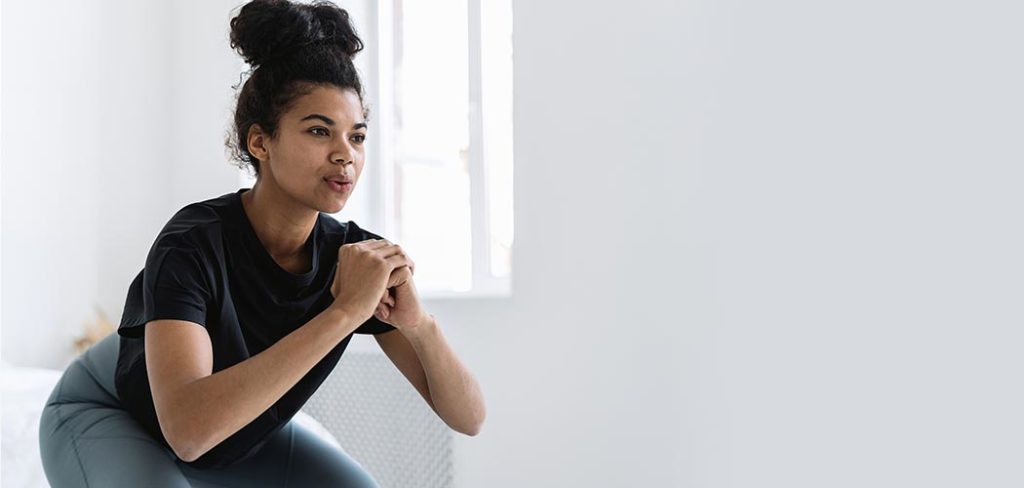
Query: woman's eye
point(315, 129)
point(359, 138)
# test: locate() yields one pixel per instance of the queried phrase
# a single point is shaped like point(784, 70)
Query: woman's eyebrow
point(327, 120)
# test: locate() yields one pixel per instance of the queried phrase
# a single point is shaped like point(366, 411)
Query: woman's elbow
point(183, 443)
point(184, 450)
point(186, 455)
point(473, 428)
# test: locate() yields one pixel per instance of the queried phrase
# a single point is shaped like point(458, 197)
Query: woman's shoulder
point(196, 223)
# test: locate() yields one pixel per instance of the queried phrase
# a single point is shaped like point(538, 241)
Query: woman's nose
point(343, 154)
point(342, 159)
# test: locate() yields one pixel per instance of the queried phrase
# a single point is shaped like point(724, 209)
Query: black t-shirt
point(208, 266)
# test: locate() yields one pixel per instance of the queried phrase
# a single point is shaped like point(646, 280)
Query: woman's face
point(321, 137)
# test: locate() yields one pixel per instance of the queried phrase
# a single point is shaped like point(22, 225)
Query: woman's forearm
point(214, 407)
point(453, 390)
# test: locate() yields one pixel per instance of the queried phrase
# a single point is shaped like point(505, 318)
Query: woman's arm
point(423, 352)
point(197, 410)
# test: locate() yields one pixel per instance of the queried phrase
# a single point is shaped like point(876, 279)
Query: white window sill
point(499, 289)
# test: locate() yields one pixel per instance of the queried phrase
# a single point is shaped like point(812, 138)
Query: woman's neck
point(281, 225)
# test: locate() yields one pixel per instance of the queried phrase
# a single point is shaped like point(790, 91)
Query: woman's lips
point(339, 187)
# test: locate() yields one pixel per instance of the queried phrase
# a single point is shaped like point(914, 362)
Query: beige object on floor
point(94, 331)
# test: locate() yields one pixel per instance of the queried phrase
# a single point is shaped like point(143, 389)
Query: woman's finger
point(399, 276)
point(387, 299)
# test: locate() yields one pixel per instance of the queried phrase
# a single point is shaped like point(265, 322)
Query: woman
point(247, 301)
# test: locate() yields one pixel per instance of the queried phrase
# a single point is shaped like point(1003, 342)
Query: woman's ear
point(256, 141)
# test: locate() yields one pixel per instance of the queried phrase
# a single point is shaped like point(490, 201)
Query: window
point(449, 74)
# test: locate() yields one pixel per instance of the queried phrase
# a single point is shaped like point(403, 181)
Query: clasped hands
point(400, 304)
point(363, 262)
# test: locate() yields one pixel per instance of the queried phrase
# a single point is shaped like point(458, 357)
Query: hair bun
point(265, 30)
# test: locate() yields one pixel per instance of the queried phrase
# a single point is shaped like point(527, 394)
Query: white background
point(756, 243)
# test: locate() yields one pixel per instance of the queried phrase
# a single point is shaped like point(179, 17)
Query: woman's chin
point(335, 206)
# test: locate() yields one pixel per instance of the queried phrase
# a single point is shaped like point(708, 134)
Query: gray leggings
point(88, 440)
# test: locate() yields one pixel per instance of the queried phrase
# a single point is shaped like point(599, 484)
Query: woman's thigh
point(87, 439)
point(294, 457)
point(87, 442)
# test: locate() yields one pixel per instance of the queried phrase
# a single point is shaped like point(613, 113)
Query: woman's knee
point(296, 457)
point(313, 458)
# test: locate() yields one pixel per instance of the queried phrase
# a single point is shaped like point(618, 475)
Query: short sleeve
point(173, 285)
point(373, 325)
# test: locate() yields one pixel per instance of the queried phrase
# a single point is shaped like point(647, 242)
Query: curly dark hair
point(291, 48)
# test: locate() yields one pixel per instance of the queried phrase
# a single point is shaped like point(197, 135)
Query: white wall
point(757, 244)
point(204, 70)
point(69, 155)
point(114, 120)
